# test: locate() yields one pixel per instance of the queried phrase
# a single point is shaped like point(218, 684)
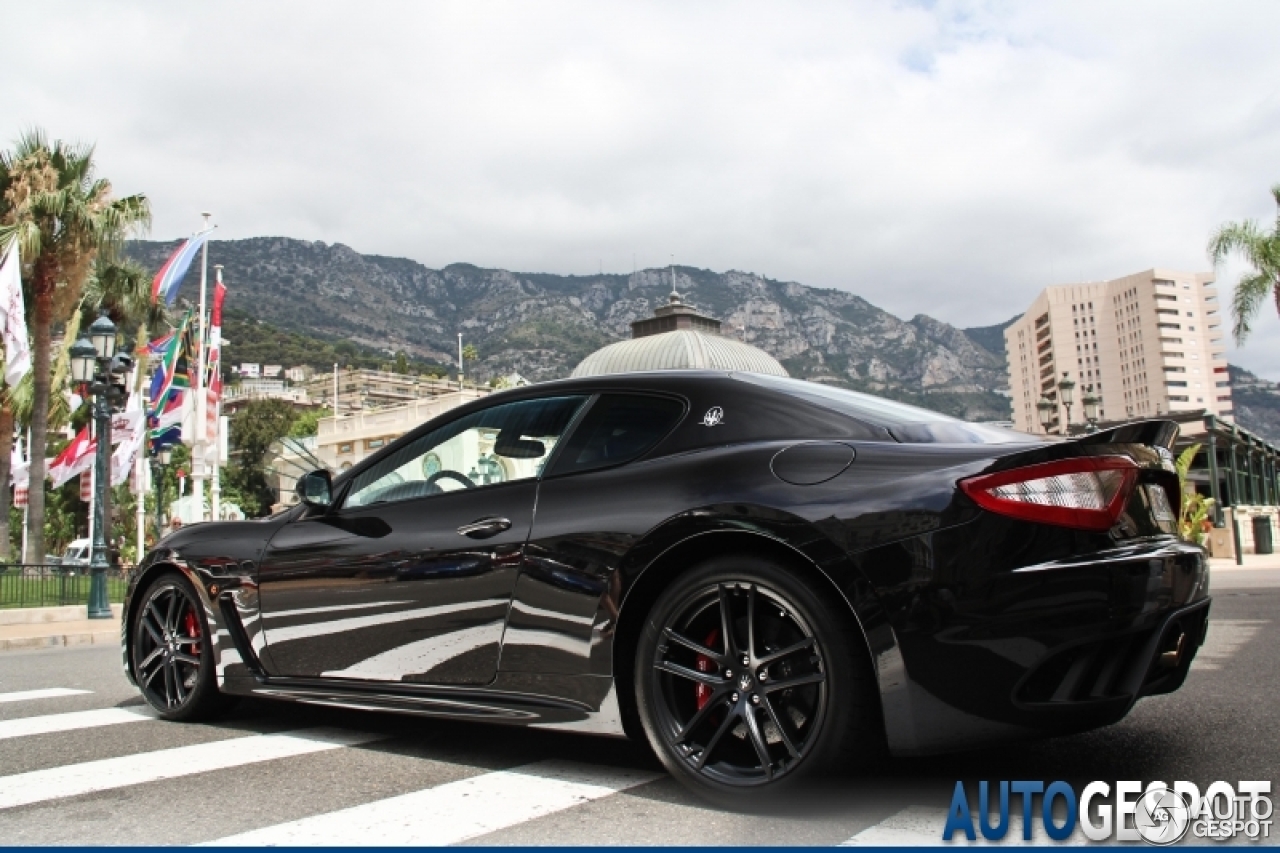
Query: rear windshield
point(907, 424)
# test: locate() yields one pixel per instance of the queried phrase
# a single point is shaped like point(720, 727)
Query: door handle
point(485, 527)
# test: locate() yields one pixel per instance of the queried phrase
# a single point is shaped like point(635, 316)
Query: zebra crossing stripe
point(47, 723)
point(453, 812)
point(109, 773)
point(46, 693)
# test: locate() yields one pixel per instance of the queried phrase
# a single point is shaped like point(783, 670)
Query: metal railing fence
point(27, 585)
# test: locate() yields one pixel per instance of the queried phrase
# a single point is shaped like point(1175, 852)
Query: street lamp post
point(1090, 403)
point(94, 362)
point(1046, 413)
point(1066, 389)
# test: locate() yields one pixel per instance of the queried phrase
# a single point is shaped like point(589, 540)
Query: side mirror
point(316, 489)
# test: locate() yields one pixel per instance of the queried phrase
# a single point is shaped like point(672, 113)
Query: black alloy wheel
point(749, 681)
point(172, 658)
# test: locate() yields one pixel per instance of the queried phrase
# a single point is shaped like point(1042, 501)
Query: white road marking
point(921, 826)
point(47, 723)
point(46, 693)
point(1226, 637)
point(106, 774)
point(453, 812)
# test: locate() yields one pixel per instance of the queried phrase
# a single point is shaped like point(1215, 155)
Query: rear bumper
point(1050, 648)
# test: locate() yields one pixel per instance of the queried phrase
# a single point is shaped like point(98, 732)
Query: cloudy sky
point(945, 158)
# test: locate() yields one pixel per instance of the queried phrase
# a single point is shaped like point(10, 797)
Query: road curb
point(58, 640)
point(48, 615)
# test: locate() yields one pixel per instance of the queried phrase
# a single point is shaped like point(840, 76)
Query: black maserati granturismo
point(762, 577)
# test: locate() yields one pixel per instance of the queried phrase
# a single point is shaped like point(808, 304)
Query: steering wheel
point(452, 475)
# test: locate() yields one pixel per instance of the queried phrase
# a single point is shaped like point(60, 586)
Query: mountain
point(541, 325)
point(1256, 402)
point(991, 338)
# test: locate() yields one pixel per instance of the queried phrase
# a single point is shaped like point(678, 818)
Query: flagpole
point(198, 444)
point(26, 508)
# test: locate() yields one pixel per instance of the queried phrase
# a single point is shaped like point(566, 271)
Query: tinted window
point(906, 423)
point(497, 445)
point(619, 428)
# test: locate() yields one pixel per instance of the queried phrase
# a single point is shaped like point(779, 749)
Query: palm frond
point(1245, 302)
point(1243, 237)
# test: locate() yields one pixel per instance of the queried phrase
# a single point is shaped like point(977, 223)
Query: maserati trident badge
point(713, 417)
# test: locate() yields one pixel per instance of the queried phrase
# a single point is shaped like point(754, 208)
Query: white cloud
point(948, 158)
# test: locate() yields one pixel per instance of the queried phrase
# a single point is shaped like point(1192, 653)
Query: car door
point(592, 507)
point(410, 576)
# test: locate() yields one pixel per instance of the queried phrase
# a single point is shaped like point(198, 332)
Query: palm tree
point(1261, 250)
point(64, 219)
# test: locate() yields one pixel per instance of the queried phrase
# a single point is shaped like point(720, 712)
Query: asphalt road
point(160, 784)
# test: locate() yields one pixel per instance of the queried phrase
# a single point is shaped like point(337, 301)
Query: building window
point(374, 443)
point(345, 447)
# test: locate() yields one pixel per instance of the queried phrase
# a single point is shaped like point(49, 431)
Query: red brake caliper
point(192, 628)
point(705, 664)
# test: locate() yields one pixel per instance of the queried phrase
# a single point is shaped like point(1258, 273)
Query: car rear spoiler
point(1157, 433)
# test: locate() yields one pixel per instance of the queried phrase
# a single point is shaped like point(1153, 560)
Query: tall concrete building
point(1147, 344)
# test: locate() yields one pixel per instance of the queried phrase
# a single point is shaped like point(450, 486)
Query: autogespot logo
point(1159, 814)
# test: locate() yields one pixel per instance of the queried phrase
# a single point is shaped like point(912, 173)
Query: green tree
point(1195, 506)
point(253, 429)
point(402, 363)
point(308, 423)
point(1261, 250)
point(64, 219)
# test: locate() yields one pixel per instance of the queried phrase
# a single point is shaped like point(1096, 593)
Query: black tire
point(737, 739)
point(173, 660)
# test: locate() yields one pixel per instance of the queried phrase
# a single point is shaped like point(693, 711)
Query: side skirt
point(505, 700)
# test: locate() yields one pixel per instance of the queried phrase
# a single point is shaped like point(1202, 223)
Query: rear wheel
point(748, 682)
point(172, 657)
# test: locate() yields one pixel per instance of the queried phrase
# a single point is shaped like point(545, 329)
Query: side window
point(496, 445)
point(619, 428)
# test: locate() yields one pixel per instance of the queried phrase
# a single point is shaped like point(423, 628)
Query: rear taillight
point(1088, 493)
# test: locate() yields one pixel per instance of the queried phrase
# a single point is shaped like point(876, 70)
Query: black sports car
point(763, 577)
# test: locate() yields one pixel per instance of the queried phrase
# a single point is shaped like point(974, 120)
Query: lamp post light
point(94, 362)
point(1066, 388)
point(1046, 412)
point(1090, 403)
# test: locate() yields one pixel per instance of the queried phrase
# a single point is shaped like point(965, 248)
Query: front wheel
point(748, 681)
point(173, 660)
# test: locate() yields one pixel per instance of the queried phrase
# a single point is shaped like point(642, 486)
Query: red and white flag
point(86, 486)
point(74, 459)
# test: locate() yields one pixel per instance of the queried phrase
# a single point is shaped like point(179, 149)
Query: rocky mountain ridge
point(541, 325)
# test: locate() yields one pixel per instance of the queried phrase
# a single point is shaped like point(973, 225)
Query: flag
point(86, 486)
point(13, 317)
point(213, 358)
point(132, 430)
point(75, 458)
point(19, 468)
point(173, 371)
point(169, 278)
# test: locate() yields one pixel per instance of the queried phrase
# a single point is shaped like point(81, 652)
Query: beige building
point(361, 390)
point(1147, 344)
